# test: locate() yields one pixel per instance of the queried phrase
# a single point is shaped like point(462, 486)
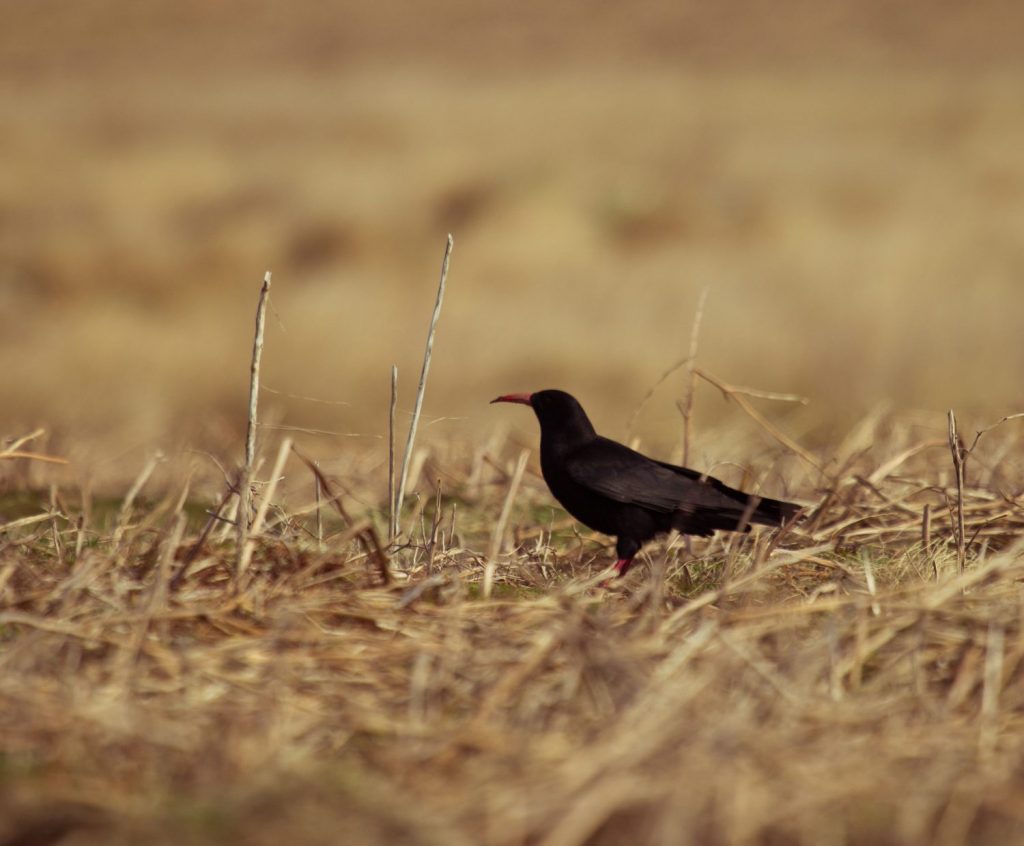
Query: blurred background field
point(847, 180)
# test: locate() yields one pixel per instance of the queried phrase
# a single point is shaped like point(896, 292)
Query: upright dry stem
point(317, 490)
point(499, 529)
point(956, 446)
point(392, 505)
point(400, 499)
point(245, 484)
point(124, 515)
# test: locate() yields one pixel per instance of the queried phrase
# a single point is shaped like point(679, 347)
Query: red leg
point(621, 566)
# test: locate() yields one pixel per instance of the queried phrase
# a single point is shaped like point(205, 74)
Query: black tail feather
point(731, 518)
point(773, 512)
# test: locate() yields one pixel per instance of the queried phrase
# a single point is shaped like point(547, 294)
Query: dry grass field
point(845, 683)
point(846, 183)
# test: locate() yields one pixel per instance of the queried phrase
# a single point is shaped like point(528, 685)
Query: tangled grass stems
point(831, 688)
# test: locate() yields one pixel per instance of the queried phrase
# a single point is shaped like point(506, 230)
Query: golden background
point(846, 180)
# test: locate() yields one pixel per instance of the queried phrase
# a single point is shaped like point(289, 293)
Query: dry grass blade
point(22, 522)
point(272, 483)
point(421, 389)
point(498, 537)
point(32, 456)
point(392, 501)
point(956, 447)
point(597, 805)
point(161, 584)
point(886, 469)
point(254, 373)
point(318, 494)
point(261, 512)
point(19, 442)
point(125, 514)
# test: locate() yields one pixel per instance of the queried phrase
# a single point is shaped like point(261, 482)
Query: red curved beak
point(520, 398)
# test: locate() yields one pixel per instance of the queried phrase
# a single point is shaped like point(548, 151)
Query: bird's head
point(559, 413)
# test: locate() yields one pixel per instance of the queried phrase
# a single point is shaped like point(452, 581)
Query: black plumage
point(620, 492)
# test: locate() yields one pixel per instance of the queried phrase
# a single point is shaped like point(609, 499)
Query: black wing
point(624, 475)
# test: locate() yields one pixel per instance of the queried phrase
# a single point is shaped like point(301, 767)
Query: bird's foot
point(621, 568)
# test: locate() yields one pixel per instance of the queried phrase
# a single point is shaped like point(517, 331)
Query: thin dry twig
point(987, 429)
point(14, 450)
point(739, 395)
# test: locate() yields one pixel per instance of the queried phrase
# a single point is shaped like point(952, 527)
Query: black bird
point(617, 491)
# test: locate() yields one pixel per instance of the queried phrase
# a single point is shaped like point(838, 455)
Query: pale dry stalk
point(421, 390)
point(261, 511)
point(245, 482)
point(498, 537)
point(956, 447)
point(392, 504)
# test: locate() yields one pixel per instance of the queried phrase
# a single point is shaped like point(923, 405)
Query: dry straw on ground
point(840, 684)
